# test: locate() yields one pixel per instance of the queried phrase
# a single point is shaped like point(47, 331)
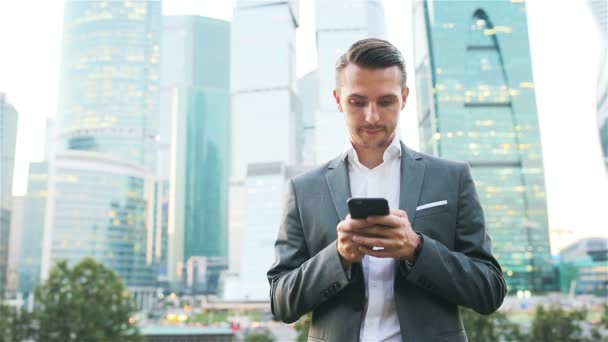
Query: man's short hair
point(372, 53)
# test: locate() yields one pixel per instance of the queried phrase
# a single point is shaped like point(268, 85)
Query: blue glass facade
point(476, 103)
point(100, 210)
point(8, 140)
point(583, 267)
point(34, 205)
point(197, 53)
point(110, 79)
point(101, 183)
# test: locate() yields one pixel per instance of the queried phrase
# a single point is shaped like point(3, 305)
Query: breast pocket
point(425, 210)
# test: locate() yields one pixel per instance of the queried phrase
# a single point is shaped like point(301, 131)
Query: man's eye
point(385, 103)
point(357, 103)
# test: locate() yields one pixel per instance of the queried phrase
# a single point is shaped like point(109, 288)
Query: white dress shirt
point(380, 322)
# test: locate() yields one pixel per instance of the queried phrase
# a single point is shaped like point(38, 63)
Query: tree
point(86, 303)
point(302, 327)
point(259, 336)
point(555, 324)
point(494, 327)
point(15, 324)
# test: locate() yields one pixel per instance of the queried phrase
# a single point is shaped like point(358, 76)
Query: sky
point(564, 45)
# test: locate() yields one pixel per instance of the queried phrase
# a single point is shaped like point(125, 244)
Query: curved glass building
point(101, 181)
point(110, 79)
point(476, 103)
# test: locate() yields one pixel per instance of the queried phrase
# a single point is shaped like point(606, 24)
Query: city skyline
point(580, 140)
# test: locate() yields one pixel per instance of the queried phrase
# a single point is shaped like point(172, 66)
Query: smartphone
point(361, 208)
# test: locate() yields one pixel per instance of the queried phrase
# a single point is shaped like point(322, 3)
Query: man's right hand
point(347, 248)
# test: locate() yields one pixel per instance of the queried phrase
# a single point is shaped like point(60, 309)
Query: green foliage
point(86, 303)
point(211, 317)
point(494, 327)
point(259, 336)
point(302, 327)
point(555, 324)
point(15, 324)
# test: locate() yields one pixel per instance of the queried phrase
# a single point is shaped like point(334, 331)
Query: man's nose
point(371, 113)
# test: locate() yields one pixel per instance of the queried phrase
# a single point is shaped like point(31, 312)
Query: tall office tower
point(262, 83)
point(308, 93)
point(338, 25)
point(195, 78)
point(101, 179)
point(12, 269)
point(8, 143)
point(599, 8)
point(30, 251)
point(265, 113)
point(476, 103)
point(265, 189)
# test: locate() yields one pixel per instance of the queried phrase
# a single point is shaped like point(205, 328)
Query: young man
point(399, 277)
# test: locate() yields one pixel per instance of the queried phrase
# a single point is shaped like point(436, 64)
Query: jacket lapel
point(412, 177)
point(339, 185)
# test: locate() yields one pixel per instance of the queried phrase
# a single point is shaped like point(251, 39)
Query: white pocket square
point(430, 205)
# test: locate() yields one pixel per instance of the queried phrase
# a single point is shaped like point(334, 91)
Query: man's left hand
point(392, 232)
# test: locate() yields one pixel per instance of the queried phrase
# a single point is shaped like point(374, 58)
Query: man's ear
point(404, 93)
point(337, 98)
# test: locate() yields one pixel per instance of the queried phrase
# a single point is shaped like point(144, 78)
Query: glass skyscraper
point(265, 112)
point(262, 83)
point(101, 178)
point(476, 103)
point(599, 8)
point(34, 205)
point(265, 189)
point(8, 143)
point(195, 79)
point(339, 23)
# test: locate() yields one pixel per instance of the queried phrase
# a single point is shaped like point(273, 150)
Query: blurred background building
point(338, 24)
point(195, 95)
point(8, 141)
point(266, 117)
point(476, 103)
point(599, 9)
point(103, 172)
point(583, 267)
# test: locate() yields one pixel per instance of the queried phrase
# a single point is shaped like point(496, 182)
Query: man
point(399, 277)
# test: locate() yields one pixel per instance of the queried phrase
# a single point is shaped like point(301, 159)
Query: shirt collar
point(392, 151)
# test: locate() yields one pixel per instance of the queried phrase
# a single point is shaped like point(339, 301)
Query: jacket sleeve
point(298, 281)
point(468, 275)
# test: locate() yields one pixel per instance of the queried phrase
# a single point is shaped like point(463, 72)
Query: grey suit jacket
point(455, 265)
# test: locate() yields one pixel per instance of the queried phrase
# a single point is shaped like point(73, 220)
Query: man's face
point(371, 100)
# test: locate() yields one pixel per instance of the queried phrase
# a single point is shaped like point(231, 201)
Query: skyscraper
point(476, 103)
point(339, 24)
point(265, 187)
point(12, 270)
point(262, 83)
point(265, 111)
point(195, 83)
point(599, 8)
point(34, 205)
point(8, 142)
point(101, 178)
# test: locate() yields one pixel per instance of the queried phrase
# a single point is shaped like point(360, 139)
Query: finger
point(357, 225)
point(376, 231)
point(399, 212)
point(388, 220)
point(374, 241)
